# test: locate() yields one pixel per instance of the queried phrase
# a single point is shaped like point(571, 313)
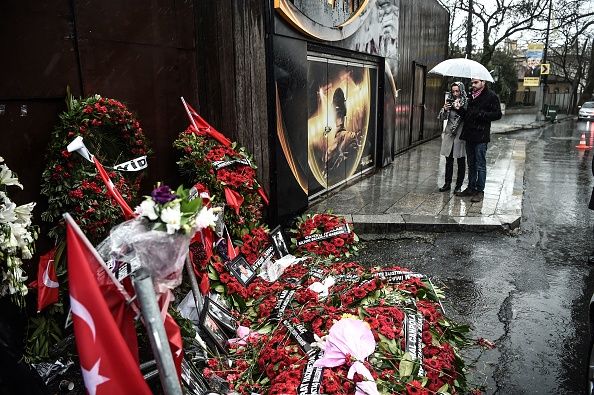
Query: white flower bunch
point(17, 237)
point(174, 212)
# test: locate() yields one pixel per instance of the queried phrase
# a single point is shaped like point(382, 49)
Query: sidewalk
point(405, 196)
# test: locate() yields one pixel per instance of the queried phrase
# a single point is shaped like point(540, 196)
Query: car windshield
point(588, 104)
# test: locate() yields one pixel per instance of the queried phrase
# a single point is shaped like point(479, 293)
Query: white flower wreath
point(17, 236)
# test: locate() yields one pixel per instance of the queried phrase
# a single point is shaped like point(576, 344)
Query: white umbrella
point(462, 67)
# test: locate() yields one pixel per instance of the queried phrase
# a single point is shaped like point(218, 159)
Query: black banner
point(219, 164)
point(266, 256)
point(303, 336)
point(317, 273)
point(312, 376)
point(323, 236)
point(397, 276)
point(414, 339)
point(284, 298)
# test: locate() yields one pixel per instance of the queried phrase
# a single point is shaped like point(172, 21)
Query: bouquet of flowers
point(325, 235)
point(159, 237)
point(17, 236)
point(229, 174)
point(175, 212)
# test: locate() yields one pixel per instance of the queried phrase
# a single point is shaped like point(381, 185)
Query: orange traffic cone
point(582, 144)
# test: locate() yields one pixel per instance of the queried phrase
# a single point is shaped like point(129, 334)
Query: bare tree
point(571, 42)
point(588, 92)
point(496, 21)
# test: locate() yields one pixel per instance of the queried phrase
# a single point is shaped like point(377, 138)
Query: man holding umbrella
point(483, 108)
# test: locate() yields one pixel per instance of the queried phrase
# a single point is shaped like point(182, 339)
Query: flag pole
point(194, 283)
point(188, 112)
point(145, 294)
point(68, 218)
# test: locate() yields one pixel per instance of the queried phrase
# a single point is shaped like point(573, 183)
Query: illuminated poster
point(341, 121)
point(532, 69)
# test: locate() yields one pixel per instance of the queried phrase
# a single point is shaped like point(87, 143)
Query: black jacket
point(478, 117)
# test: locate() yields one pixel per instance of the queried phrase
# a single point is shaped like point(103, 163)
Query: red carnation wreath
point(324, 235)
point(229, 174)
point(71, 184)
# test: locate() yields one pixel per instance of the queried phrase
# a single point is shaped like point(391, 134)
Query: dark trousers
point(449, 169)
point(477, 165)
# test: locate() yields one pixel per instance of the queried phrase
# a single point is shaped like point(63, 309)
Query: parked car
point(586, 112)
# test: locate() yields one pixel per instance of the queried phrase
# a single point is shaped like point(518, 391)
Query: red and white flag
point(108, 367)
point(47, 281)
point(200, 124)
point(128, 212)
point(234, 199)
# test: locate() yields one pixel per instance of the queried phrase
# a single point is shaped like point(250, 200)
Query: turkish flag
point(263, 195)
point(234, 199)
point(204, 237)
point(128, 212)
point(232, 252)
point(201, 124)
point(108, 366)
point(47, 281)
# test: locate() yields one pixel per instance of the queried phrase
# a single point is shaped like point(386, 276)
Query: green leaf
point(444, 389)
point(406, 365)
point(213, 276)
point(266, 329)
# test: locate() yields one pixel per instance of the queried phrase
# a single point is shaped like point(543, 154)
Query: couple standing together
point(466, 135)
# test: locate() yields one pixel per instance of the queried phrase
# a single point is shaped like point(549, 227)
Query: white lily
point(6, 177)
point(171, 216)
point(147, 209)
point(24, 213)
point(322, 288)
point(7, 213)
point(206, 218)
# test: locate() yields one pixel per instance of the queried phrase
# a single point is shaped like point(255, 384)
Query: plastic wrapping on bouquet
point(162, 254)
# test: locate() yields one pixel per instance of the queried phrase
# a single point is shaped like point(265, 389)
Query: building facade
point(321, 92)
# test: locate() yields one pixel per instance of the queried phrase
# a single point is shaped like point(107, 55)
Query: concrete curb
point(388, 223)
point(532, 125)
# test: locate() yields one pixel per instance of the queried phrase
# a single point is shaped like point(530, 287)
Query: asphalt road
point(528, 291)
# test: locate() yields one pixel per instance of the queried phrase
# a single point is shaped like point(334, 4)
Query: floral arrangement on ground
point(325, 235)
point(411, 347)
point(289, 329)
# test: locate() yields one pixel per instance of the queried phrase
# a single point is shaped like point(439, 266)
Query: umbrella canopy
point(462, 67)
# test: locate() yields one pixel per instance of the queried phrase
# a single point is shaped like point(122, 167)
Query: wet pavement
point(527, 290)
point(404, 195)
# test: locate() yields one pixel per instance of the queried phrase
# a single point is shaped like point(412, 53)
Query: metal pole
point(145, 293)
point(469, 31)
point(541, 87)
point(194, 283)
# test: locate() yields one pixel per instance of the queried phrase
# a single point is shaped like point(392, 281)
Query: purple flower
point(163, 194)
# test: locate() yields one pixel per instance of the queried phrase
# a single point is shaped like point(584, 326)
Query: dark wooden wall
point(232, 73)
point(140, 52)
point(422, 28)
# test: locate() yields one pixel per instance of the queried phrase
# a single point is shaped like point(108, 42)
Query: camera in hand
point(450, 98)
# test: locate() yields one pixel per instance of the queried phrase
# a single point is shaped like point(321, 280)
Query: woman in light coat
point(451, 145)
